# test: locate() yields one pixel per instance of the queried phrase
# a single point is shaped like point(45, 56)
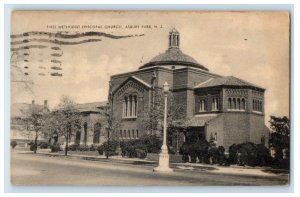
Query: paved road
point(30, 169)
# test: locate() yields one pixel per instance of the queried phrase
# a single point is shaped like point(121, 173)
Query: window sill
point(129, 117)
point(129, 138)
point(257, 112)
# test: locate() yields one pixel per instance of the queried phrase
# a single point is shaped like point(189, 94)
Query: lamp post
point(163, 164)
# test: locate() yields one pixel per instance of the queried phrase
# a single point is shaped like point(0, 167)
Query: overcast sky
point(253, 46)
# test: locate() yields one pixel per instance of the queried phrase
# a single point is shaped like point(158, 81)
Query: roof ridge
point(226, 81)
point(204, 82)
point(91, 102)
point(141, 81)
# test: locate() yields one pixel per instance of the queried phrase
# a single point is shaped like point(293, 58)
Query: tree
point(34, 121)
point(153, 118)
point(280, 136)
point(112, 124)
point(64, 120)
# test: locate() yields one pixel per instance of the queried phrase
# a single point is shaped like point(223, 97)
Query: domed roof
point(173, 56)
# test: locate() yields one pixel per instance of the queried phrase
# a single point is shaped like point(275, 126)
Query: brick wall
point(216, 126)
point(236, 128)
point(258, 129)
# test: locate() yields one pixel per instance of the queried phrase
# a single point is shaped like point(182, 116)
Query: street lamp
point(163, 164)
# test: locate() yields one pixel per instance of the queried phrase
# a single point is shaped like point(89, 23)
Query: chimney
point(45, 103)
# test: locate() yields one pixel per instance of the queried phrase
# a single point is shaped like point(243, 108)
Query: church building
point(225, 108)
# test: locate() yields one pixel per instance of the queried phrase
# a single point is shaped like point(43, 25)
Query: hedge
point(140, 147)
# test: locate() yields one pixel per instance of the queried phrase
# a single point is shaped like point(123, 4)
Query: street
point(30, 169)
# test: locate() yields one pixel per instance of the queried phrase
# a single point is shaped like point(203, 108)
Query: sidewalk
point(232, 170)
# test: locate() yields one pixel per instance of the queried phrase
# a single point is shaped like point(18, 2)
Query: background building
point(20, 131)
point(93, 125)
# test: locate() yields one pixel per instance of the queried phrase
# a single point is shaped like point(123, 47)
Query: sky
point(253, 46)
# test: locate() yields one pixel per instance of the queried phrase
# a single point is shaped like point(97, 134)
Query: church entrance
point(195, 134)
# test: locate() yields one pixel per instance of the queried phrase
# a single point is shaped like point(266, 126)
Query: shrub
point(213, 153)
point(141, 153)
point(13, 144)
point(83, 148)
point(197, 149)
point(202, 147)
point(263, 155)
point(44, 145)
point(110, 148)
point(221, 156)
point(55, 148)
point(100, 149)
point(30, 143)
point(93, 147)
point(73, 147)
point(140, 147)
point(151, 143)
point(33, 147)
point(249, 154)
point(232, 154)
point(171, 150)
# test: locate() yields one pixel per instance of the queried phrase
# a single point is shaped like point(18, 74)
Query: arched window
point(125, 106)
point(215, 104)
point(257, 105)
point(234, 103)
point(202, 105)
point(121, 134)
point(134, 106)
point(129, 136)
point(124, 134)
point(137, 134)
point(132, 134)
point(260, 106)
point(130, 106)
point(239, 103)
point(243, 104)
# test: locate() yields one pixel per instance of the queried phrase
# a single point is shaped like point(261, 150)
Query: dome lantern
point(173, 57)
point(174, 39)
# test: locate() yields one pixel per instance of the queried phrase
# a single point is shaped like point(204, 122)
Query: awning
point(200, 120)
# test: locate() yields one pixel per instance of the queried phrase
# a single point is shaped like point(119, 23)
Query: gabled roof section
point(91, 107)
point(134, 78)
point(141, 81)
point(226, 81)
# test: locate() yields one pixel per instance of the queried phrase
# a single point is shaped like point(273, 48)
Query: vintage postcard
point(150, 98)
